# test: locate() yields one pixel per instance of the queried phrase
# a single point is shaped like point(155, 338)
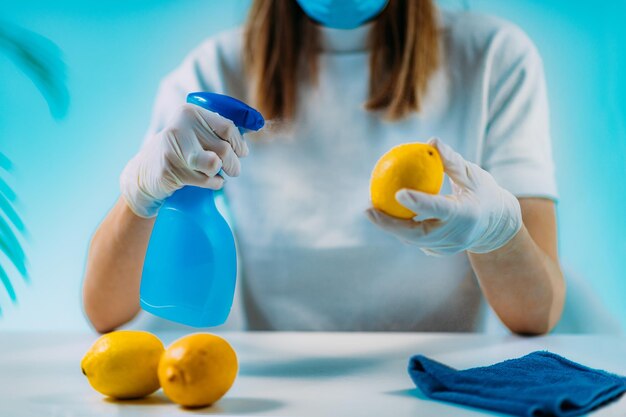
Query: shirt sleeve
point(517, 147)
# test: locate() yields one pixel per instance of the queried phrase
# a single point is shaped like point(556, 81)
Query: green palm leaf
point(41, 60)
point(10, 225)
point(6, 191)
point(7, 208)
point(11, 247)
point(4, 278)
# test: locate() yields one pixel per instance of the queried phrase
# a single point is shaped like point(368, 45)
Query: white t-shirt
point(309, 258)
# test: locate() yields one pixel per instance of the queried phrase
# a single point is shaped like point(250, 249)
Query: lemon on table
point(123, 364)
point(198, 369)
point(416, 166)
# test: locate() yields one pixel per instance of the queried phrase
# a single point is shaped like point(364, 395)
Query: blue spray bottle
point(190, 267)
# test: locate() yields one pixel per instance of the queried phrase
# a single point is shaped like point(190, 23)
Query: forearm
point(522, 284)
point(114, 265)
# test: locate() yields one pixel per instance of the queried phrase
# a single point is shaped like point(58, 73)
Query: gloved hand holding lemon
point(415, 166)
point(479, 216)
point(194, 371)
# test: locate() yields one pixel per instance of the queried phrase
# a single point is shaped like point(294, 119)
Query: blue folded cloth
point(540, 384)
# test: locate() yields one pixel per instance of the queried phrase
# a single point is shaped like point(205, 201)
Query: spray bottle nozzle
point(242, 115)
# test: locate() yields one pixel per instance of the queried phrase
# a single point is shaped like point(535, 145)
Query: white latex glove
point(191, 150)
point(479, 216)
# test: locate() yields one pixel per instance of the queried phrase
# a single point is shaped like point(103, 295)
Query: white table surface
point(286, 374)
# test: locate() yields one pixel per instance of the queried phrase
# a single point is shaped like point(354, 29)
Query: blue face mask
point(342, 14)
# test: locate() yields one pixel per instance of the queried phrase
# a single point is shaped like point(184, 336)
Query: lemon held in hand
point(123, 364)
point(198, 369)
point(416, 166)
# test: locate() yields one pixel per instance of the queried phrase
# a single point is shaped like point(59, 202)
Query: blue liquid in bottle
point(190, 267)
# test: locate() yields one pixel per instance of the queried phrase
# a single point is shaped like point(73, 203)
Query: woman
point(346, 81)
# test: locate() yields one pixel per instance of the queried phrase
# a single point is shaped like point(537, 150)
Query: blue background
point(66, 172)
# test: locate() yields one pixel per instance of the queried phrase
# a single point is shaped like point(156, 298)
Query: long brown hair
point(281, 46)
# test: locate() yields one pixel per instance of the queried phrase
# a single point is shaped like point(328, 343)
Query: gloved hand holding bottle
point(191, 150)
point(479, 216)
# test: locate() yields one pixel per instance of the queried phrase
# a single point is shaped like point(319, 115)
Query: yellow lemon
point(198, 369)
point(416, 166)
point(123, 364)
